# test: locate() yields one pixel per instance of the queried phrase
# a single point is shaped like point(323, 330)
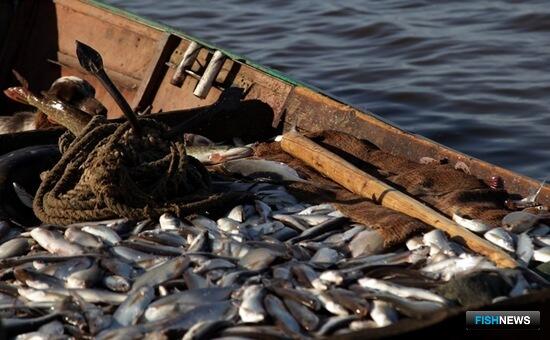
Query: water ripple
point(473, 75)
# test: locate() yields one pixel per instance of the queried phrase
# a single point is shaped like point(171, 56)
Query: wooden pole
point(365, 185)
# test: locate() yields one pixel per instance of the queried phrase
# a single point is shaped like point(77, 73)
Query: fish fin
point(20, 79)
point(23, 195)
point(536, 194)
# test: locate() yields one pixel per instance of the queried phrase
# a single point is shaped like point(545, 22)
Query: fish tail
point(19, 94)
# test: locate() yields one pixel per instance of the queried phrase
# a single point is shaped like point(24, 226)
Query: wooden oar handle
point(365, 185)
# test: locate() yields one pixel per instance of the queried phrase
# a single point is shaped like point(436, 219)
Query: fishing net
point(108, 171)
point(394, 227)
point(439, 185)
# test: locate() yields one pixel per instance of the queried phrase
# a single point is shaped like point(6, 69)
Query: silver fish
point(51, 330)
point(291, 221)
point(14, 247)
point(313, 219)
point(134, 306)
point(383, 314)
point(409, 307)
point(330, 225)
point(447, 269)
point(276, 309)
point(324, 208)
point(214, 264)
point(63, 269)
point(340, 238)
point(520, 221)
point(184, 321)
point(540, 230)
point(542, 241)
point(358, 325)
point(259, 168)
point(350, 301)
point(194, 281)
point(542, 254)
point(88, 295)
point(332, 324)
point(78, 236)
point(199, 242)
point(524, 249)
point(228, 225)
point(95, 318)
point(84, 278)
point(130, 255)
point(170, 222)
point(367, 242)
point(258, 259)
point(54, 242)
point(108, 235)
point(118, 267)
point(263, 210)
point(205, 329)
point(302, 296)
point(251, 309)
point(325, 256)
point(436, 238)
point(331, 305)
point(153, 248)
point(414, 243)
point(210, 155)
point(237, 214)
point(305, 317)
point(307, 277)
point(501, 238)
point(36, 279)
point(185, 300)
point(401, 291)
point(164, 238)
point(477, 226)
point(164, 272)
point(207, 224)
point(117, 283)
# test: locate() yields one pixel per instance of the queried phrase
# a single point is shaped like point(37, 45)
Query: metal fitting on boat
point(188, 59)
point(210, 74)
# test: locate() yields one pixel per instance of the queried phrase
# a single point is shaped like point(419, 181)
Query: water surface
point(473, 75)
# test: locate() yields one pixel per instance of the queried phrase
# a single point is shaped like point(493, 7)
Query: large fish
point(53, 105)
point(23, 166)
point(262, 169)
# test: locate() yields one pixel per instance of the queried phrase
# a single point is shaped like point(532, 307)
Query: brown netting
point(108, 171)
point(440, 185)
point(395, 227)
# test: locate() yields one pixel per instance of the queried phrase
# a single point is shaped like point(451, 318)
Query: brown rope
point(108, 172)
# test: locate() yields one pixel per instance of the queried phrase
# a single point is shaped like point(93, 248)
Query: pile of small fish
point(276, 268)
point(520, 234)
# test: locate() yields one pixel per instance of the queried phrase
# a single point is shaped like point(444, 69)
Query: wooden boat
point(38, 39)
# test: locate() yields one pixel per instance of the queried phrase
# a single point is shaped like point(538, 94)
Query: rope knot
point(108, 171)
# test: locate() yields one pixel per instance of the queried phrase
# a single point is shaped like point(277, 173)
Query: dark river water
point(472, 75)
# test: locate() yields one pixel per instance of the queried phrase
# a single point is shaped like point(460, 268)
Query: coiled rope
point(107, 171)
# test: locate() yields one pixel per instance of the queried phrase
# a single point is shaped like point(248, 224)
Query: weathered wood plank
point(312, 111)
point(155, 72)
